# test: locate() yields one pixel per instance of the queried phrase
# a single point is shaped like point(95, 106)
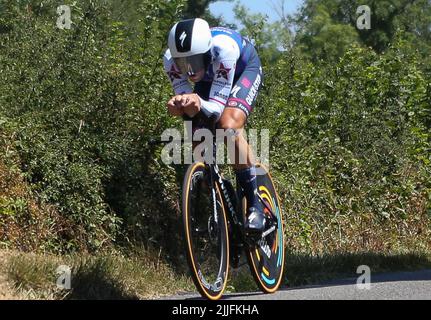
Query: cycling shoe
point(255, 222)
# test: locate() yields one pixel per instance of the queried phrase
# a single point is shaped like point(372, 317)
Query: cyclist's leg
point(238, 109)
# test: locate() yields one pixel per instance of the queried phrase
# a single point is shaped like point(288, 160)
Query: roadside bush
point(350, 141)
point(350, 150)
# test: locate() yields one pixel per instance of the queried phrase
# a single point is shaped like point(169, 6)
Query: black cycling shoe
point(255, 222)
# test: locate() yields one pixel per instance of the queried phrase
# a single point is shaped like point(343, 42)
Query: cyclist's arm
point(178, 80)
point(227, 54)
point(224, 72)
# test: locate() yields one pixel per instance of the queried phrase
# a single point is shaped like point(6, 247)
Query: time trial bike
point(213, 213)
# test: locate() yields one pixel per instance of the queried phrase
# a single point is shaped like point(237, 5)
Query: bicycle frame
point(232, 212)
point(215, 177)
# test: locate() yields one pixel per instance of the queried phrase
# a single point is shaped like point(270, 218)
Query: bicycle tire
point(209, 289)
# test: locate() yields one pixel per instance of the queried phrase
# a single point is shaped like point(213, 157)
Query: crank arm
point(269, 231)
point(266, 206)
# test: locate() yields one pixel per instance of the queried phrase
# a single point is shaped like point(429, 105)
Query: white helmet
point(190, 43)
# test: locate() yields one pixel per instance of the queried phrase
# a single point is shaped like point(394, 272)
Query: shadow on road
point(331, 270)
point(319, 271)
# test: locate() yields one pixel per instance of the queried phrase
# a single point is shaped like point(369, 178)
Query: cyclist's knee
point(232, 119)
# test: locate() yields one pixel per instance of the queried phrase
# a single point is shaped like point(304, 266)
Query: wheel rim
point(207, 239)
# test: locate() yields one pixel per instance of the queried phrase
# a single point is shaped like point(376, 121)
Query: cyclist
point(227, 75)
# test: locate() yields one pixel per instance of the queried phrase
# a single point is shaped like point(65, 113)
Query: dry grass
point(105, 276)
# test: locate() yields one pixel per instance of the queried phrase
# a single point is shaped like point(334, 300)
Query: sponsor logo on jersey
point(223, 72)
point(243, 108)
point(253, 91)
point(246, 83)
point(221, 95)
point(235, 91)
point(232, 103)
point(222, 83)
point(238, 104)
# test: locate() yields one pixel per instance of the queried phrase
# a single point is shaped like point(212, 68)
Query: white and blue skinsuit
point(233, 79)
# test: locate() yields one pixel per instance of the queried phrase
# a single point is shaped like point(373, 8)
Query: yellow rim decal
point(275, 245)
point(267, 196)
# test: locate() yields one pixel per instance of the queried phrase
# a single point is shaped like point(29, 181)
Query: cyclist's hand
point(192, 104)
point(175, 106)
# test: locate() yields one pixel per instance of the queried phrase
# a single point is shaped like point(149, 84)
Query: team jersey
point(229, 52)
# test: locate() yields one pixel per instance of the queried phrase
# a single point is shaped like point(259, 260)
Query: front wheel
point(266, 257)
point(206, 232)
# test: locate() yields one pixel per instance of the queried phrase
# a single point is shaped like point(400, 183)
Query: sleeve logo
point(223, 72)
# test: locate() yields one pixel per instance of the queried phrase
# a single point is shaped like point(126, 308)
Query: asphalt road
point(393, 286)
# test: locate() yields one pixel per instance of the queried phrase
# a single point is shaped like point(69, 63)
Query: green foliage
point(81, 110)
point(350, 136)
point(269, 38)
point(200, 9)
point(326, 28)
point(320, 37)
point(348, 148)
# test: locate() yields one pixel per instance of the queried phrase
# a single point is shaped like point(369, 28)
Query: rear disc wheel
point(266, 256)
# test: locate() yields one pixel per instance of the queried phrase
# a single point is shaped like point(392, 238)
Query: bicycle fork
point(214, 195)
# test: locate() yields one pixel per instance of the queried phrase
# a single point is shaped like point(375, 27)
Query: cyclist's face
point(198, 76)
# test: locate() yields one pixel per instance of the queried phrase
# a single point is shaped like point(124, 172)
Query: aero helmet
point(190, 44)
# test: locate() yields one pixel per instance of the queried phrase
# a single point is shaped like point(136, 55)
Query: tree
point(320, 35)
point(327, 27)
